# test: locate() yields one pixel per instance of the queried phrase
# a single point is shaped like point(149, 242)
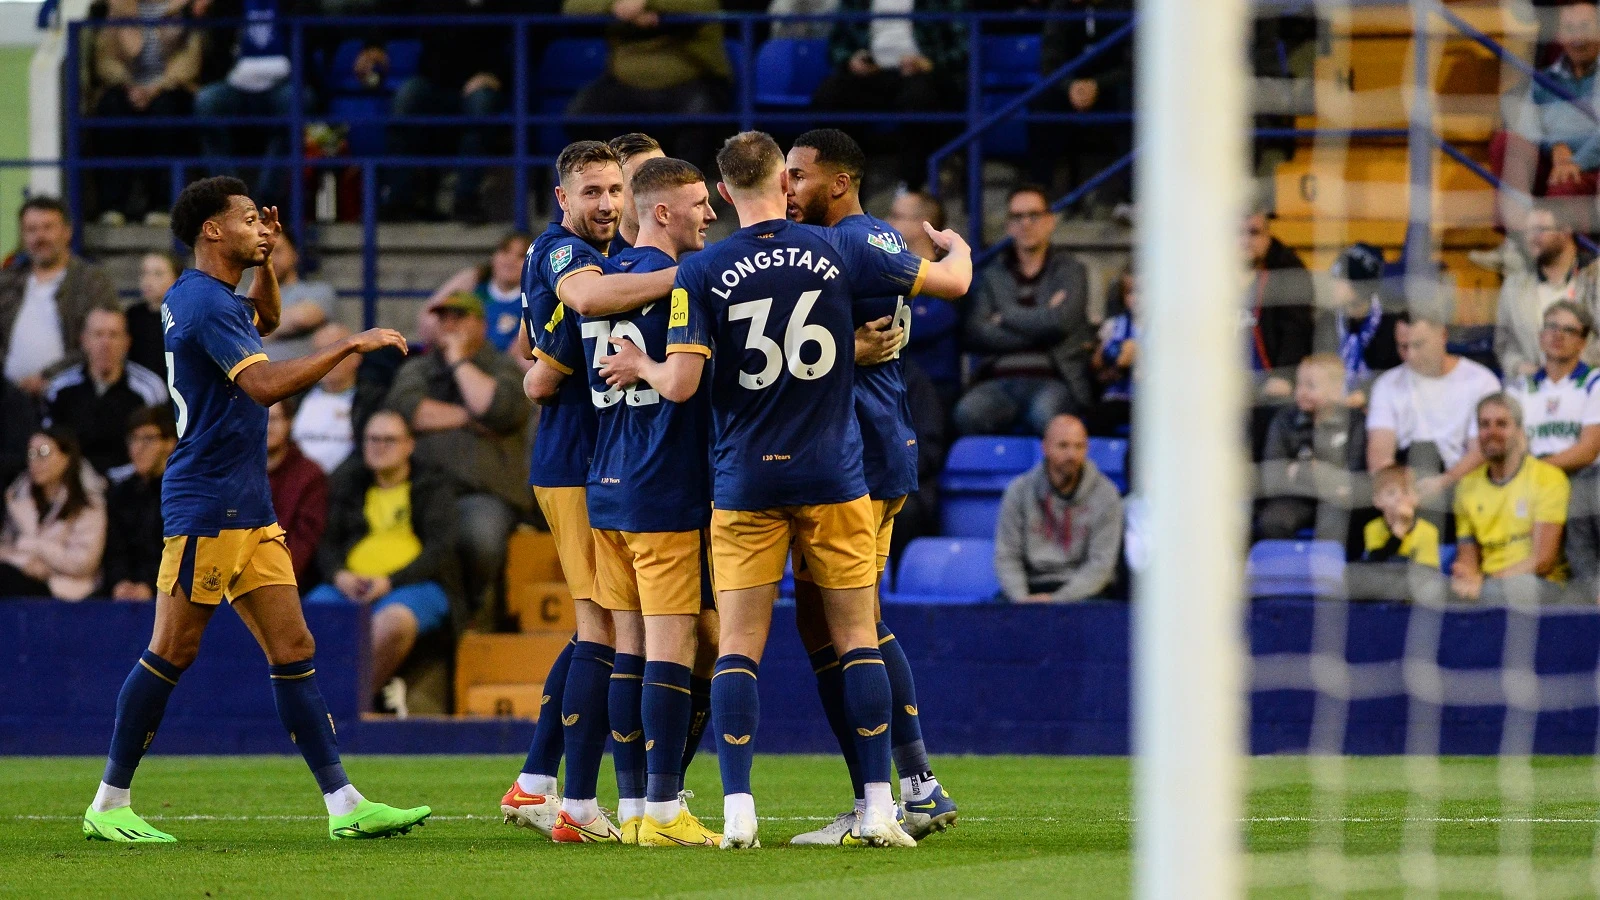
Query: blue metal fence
point(523, 117)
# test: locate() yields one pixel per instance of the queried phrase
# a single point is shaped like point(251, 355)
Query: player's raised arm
point(950, 277)
point(264, 293)
point(590, 293)
point(269, 382)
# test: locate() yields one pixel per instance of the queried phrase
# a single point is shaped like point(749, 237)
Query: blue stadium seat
point(736, 60)
point(405, 59)
point(569, 64)
point(1296, 569)
point(789, 70)
point(1010, 62)
point(363, 140)
point(1009, 137)
point(945, 570)
point(1110, 455)
point(976, 473)
point(1447, 557)
point(340, 77)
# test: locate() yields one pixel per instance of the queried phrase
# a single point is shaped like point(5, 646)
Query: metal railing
point(520, 118)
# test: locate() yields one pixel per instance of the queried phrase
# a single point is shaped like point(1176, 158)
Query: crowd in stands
point(185, 58)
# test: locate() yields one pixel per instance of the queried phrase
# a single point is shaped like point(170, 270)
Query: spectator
point(390, 543)
point(1561, 418)
point(655, 69)
point(1103, 84)
point(134, 534)
point(1030, 310)
point(905, 66)
point(143, 70)
point(1278, 301)
point(1312, 450)
point(55, 528)
point(95, 398)
point(307, 305)
point(464, 402)
point(1115, 360)
point(1421, 413)
point(157, 273)
point(498, 283)
point(1362, 320)
point(1509, 511)
point(299, 495)
point(1060, 528)
point(45, 300)
point(1397, 534)
point(1548, 146)
point(322, 426)
point(932, 338)
point(19, 419)
point(1560, 270)
point(463, 71)
point(257, 83)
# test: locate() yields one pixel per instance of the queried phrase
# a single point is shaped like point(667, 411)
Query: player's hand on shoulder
point(376, 339)
point(625, 365)
point(877, 342)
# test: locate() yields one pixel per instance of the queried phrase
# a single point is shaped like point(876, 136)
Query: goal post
point(1189, 733)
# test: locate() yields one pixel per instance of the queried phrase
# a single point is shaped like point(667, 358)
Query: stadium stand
point(946, 570)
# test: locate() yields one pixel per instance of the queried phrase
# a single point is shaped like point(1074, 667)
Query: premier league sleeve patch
point(883, 242)
point(560, 258)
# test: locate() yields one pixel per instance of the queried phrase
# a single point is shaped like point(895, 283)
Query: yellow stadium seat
point(503, 659)
point(541, 606)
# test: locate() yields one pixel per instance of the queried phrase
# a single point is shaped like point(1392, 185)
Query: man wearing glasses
point(1561, 417)
point(389, 543)
point(1030, 311)
point(1556, 269)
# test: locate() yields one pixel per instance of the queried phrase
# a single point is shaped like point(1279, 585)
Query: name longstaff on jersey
point(567, 425)
point(650, 470)
point(217, 477)
point(775, 300)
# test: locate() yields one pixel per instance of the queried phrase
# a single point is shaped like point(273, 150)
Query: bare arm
point(269, 382)
point(1546, 551)
point(264, 287)
point(542, 382)
point(437, 415)
point(676, 379)
point(477, 386)
point(1381, 446)
point(1466, 576)
point(592, 294)
point(1580, 454)
point(950, 277)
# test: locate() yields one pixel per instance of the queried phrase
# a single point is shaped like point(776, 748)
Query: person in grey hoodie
point(1060, 527)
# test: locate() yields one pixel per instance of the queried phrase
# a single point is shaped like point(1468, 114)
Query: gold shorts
point(658, 573)
point(883, 512)
point(834, 542)
point(566, 510)
point(225, 567)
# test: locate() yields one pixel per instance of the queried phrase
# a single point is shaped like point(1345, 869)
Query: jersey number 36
point(795, 337)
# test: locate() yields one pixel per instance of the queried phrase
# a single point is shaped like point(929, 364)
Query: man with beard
point(1510, 512)
point(1559, 270)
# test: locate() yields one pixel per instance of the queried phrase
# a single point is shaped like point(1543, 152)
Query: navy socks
point(667, 711)
point(867, 701)
point(910, 754)
point(544, 753)
point(627, 726)
point(735, 711)
point(699, 717)
point(140, 705)
point(583, 715)
point(830, 690)
point(305, 716)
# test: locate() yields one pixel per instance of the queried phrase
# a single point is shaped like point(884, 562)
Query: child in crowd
point(1397, 534)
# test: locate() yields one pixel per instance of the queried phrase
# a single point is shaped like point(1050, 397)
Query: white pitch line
point(1254, 820)
point(202, 817)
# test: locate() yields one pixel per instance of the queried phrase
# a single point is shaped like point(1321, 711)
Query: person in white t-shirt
point(322, 426)
point(1424, 409)
point(1561, 416)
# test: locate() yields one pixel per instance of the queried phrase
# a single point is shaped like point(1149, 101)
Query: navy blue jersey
point(619, 244)
point(774, 303)
point(217, 477)
point(565, 442)
point(651, 471)
point(883, 409)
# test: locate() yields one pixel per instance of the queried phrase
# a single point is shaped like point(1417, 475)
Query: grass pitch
point(1031, 826)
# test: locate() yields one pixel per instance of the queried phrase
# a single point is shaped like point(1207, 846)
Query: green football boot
point(122, 825)
point(376, 820)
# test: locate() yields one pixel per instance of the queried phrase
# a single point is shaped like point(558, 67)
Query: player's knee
point(292, 648)
point(180, 650)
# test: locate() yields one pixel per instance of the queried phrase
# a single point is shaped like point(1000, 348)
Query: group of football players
point(707, 412)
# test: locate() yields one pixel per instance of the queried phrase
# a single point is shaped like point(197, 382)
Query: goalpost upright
point(1188, 653)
